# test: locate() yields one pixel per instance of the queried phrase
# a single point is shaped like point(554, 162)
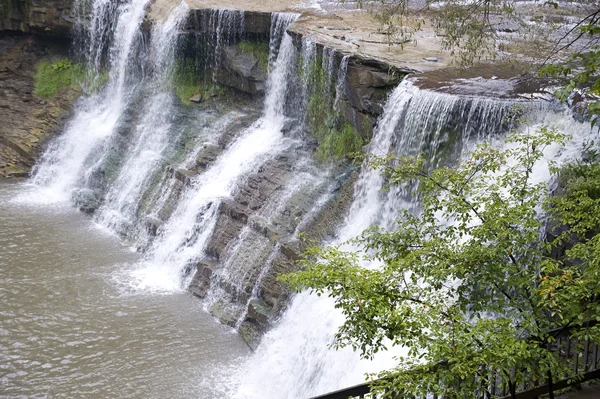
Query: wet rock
point(289, 126)
point(579, 101)
point(241, 71)
point(196, 98)
point(263, 227)
point(257, 24)
point(200, 284)
point(207, 155)
point(259, 311)
point(234, 211)
point(15, 172)
point(291, 250)
point(153, 224)
point(250, 334)
point(87, 200)
point(227, 312)
point(367, 87)
point(255, 323)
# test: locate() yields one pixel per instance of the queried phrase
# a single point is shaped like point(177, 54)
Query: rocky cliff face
point(27, 121)
point(44, 17)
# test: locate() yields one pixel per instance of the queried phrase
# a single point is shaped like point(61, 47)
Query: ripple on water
point(72, 323)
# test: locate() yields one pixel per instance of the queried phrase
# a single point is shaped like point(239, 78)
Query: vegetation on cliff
point(190, 82)
point(259, 50)
point(54, 76)
point(336, 137)
point(463, 282)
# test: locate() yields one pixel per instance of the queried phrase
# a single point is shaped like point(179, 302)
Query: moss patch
point(340, 142)
point(189, 82)
point(260, 51)
point(336, 138)
point(52, 77)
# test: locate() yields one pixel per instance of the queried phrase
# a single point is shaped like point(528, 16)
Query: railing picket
point(568, 353)
point(577, 355)
point(586, 351)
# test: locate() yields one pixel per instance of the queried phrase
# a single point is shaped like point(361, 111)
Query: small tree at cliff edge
point(468, 285)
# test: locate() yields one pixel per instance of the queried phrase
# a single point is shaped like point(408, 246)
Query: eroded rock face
point(27, 121)
point(241, 71)
point(367, 86)
point(44, 17)
point(254, 243)
point(256, 24)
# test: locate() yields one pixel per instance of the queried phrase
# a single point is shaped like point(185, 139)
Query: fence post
point(550, 386)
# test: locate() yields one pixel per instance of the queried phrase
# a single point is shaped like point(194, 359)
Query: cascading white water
point(72, 156)
point(340, 82)
point(152, 133)
point(228, 26)
point(294, 359)
point(183, 237)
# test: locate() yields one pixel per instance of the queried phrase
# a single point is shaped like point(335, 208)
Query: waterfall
point(340, 82)
point(227, 26)
point(182, 239)
point(164, 175)
point(152, 133)
point(294, 359)
point(72, 157)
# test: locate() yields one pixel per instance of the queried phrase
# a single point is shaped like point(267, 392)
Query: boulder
point(87, 200)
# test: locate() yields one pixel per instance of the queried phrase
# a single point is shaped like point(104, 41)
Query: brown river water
point(70, 329)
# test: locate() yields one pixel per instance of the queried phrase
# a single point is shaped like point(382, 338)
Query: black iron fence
point(582, 357)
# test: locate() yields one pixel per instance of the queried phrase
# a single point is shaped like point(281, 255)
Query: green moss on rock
point(259, 50)
point(52, 77)
point(337, 139)
point(190, 83)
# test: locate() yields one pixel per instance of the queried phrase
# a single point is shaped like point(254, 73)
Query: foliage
point(336, 139)
point(52, 77)
point(467, 285)
point(259, 50)
point(466, 28)
point(189, 82)
point(582, 67)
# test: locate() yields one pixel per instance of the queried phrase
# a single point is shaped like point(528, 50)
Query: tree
point(468, 285)
point(476, 30)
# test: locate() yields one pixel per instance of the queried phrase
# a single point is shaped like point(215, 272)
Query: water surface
point(71, 327)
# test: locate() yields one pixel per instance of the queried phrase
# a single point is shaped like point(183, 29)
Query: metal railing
point(582, 358)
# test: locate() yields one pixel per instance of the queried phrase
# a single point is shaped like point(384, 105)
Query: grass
point(52, 77)
point(260, 51)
